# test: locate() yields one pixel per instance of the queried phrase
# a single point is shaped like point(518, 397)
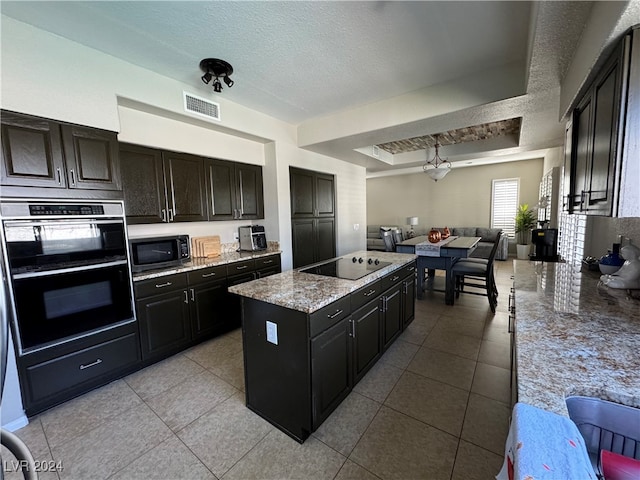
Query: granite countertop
point(307, 292)
point(198, 263)
point(574, 337)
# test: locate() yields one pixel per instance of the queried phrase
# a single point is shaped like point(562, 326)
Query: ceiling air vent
point(201, 106)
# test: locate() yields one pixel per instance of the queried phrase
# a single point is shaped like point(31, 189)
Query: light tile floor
point(435, 406)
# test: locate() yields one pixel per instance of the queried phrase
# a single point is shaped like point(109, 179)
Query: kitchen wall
point(462, 198)
point(87, 87)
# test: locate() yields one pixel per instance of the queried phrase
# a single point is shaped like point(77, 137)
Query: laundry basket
point(606, 425)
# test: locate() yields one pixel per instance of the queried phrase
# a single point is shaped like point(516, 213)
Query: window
point(504, 204)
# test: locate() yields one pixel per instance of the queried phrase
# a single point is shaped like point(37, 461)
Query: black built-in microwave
point(148, 253)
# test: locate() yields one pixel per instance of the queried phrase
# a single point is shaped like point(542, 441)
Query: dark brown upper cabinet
point(37, 152)
point(312, 194)
point(596, 127)
point(234, 190)
point(162, 186)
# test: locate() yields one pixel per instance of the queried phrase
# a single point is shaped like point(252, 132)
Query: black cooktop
point(348, 268)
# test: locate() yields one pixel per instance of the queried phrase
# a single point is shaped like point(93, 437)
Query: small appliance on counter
point(545, 241)
point(148, 253)
point(252, 237)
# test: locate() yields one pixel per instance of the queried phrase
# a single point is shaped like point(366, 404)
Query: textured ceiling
point(306, 61)
point(451, 137)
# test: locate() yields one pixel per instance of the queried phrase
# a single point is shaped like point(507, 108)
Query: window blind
point(504, 204)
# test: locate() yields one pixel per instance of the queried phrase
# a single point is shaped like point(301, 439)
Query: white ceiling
point(302, 60)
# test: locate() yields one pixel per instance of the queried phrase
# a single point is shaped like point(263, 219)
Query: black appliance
point(148, 253)
point(545, 241)
point(348, 268)
point(252, 237)
point(67, 269)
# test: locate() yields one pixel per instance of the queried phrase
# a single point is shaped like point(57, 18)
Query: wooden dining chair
point(477, 274)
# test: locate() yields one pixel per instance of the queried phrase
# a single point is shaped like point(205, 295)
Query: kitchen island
point(308, 338)
point(574, 337)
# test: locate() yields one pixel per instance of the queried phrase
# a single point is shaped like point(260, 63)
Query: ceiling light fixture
point(215, 69)
point(440, 167)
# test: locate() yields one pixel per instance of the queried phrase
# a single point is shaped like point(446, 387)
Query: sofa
point(487, 237)
point(375, 240)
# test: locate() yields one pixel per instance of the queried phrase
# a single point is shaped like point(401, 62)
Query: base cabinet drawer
point(49, 378)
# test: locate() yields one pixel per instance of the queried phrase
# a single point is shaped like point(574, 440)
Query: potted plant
point(525, 221)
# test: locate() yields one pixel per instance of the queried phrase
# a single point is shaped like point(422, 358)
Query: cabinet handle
point(162, 285)
point(171, 214)
point(335, 314)
point(186, 297)
point(59, 176)
point(395, 278)
point(92, 364)
point(242, 267)
point(207, 275)
point(164, 215)
point(73, 177)
point(241, 197)
point(369, 293)
point(267, 262)
point(213, 201)
point(193, 295)
point(353, 328)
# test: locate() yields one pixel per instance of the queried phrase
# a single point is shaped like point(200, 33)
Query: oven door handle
point(60, 271)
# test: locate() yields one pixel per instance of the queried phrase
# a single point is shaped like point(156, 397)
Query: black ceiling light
point(215, 68)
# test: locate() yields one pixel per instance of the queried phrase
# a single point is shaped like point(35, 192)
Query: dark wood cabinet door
point(184, 178)
point(91, 158)
point(249, 194)
point(207, 314)
point(330, 370)
point(408, 300)
point(392, 315)
point(31, 152)
point(164, 323)
point(606, 101)
point(367, 346)
point(304, 239)
point(302, 193)
point(582, 141)
point(143, 184)
point(324, 196)
point(221, 203)
point(326, 238)
point(566, 168)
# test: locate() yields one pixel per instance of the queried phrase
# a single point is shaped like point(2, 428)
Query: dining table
point(440, 255)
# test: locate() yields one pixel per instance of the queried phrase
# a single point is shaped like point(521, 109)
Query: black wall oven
point(68, 270)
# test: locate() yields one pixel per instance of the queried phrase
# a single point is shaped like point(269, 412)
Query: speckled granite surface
point(574, 337)
point(197, 263)
point(307, 293)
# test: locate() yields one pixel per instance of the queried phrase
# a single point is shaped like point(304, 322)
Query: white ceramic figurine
point(629, 274)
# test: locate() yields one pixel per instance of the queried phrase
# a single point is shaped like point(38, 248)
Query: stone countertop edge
point(198, 263)
point(306, 292)
point(574, 336)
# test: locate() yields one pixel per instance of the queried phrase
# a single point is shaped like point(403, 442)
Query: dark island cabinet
point(409, 286)
point(162, 187)
point(37, 152)
point(367, 347)
point(331, 370)
point(300, 366)
point(235, 190)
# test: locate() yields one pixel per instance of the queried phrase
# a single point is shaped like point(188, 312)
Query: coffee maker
point(545, 241)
